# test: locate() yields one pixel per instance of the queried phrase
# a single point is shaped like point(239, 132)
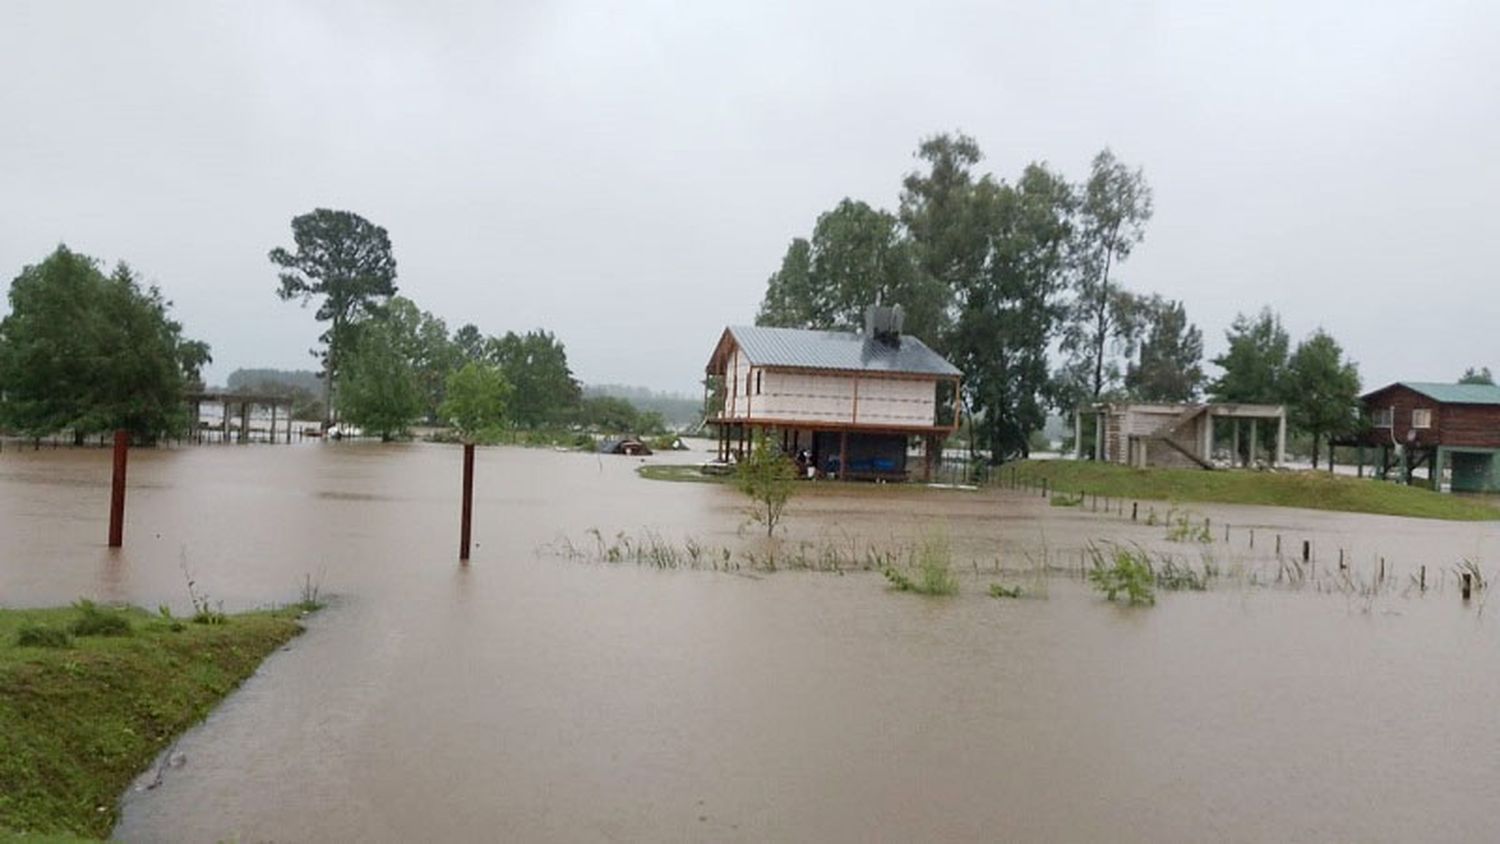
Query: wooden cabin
point(1417, 425)
point(842, 403)
point(1181, 436)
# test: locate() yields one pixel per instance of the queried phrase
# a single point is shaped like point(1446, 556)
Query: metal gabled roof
point(1449, 393)
point(845, 351)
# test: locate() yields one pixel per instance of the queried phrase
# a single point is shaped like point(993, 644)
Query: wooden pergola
point(244, 402)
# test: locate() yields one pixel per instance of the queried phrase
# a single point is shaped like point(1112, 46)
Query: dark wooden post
point(117, 491)
point(1468, 584)
point(468, 505)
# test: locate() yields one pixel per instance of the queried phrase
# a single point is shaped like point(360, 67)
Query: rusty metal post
point(117, 491)
point(468, 505)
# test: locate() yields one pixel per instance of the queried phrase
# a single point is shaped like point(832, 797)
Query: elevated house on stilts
point(844, 404)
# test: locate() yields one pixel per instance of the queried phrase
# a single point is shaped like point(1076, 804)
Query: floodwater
point(532, 697)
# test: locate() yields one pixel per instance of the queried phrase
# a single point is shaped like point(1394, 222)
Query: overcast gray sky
point(628, 174)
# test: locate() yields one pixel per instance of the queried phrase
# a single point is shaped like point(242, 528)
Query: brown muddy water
point(532, 697)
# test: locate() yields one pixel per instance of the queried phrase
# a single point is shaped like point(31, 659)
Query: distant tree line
point(387, 363)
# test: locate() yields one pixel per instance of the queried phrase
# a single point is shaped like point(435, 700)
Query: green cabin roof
point(1449, 393)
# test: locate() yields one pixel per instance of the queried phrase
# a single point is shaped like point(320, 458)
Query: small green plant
point(1174, 577)
point(899, 581)
point(1184, 529)
point(768, 478)
point(1000, 590)
point(932, 562)
point(1062, 499)
point(204, 612)
point(42, 636)
point(94, 620)
point(310, 590)
point(1126, 573)
point(173, 624)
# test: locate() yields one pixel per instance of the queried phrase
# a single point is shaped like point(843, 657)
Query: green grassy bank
point(1311, 490)
point(96, 694)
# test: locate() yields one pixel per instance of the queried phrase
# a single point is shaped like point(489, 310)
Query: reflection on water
point(529, 697)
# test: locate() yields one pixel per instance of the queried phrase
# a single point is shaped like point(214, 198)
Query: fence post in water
point(1381, 577)
point(1226, 532)
point(1468, 584)
point(1252, 537)
point(1044, 487)
point(117, 491)
point(1135, 507)
point(1422, 580)
point(1341, 559)
point(1306, 550)
point(468, 505)
point(1278, 545)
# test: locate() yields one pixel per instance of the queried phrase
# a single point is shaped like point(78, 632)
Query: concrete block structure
point(1179, 435)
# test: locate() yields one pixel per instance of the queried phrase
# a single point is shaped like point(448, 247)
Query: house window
point(1421, 418)
point(1385, 417)
point(757, 383)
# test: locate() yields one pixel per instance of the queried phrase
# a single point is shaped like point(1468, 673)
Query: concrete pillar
point(1237, 460)
point(1281, 438)
point(1207, 420)
point(1438, 458)
point(1099, 417)
point(1078, 433)
point(1254, 440)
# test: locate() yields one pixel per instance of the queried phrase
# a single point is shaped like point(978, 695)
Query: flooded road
point(531, 697)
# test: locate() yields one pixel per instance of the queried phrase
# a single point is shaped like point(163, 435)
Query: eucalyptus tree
point(345, 261)
point(1114, 207)
point(1008, 312)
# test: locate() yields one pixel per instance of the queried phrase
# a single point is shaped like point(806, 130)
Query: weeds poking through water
point(1062, 499)
point(933, 566)
point(1000, 590)
point(1127, 573)
point(1184, 529)
point(311, 589)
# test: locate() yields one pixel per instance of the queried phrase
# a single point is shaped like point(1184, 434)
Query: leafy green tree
point(791, 299)
point(1170, 368)
point(768, 479)
point(536, 365)
point(346, 261)
point(469, 342)
point(88, 352)
point(423, 339)
point(1323, 389)
point(1008, 313)
point(1477, 376)
point(858, 256)
point(474, 401)
point(938, 208)
point(1114, 207)
point(1255, 363)
point(379, 391)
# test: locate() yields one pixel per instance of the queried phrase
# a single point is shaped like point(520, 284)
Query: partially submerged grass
point(932, 573)
point(1310, 490)
point(83, 715)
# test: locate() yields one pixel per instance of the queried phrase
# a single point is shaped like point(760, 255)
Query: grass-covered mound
point(1311, 490)
point(94, 694)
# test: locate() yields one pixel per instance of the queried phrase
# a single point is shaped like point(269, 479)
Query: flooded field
point(529, 696)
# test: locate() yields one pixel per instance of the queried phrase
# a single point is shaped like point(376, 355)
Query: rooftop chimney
point(883, 324)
